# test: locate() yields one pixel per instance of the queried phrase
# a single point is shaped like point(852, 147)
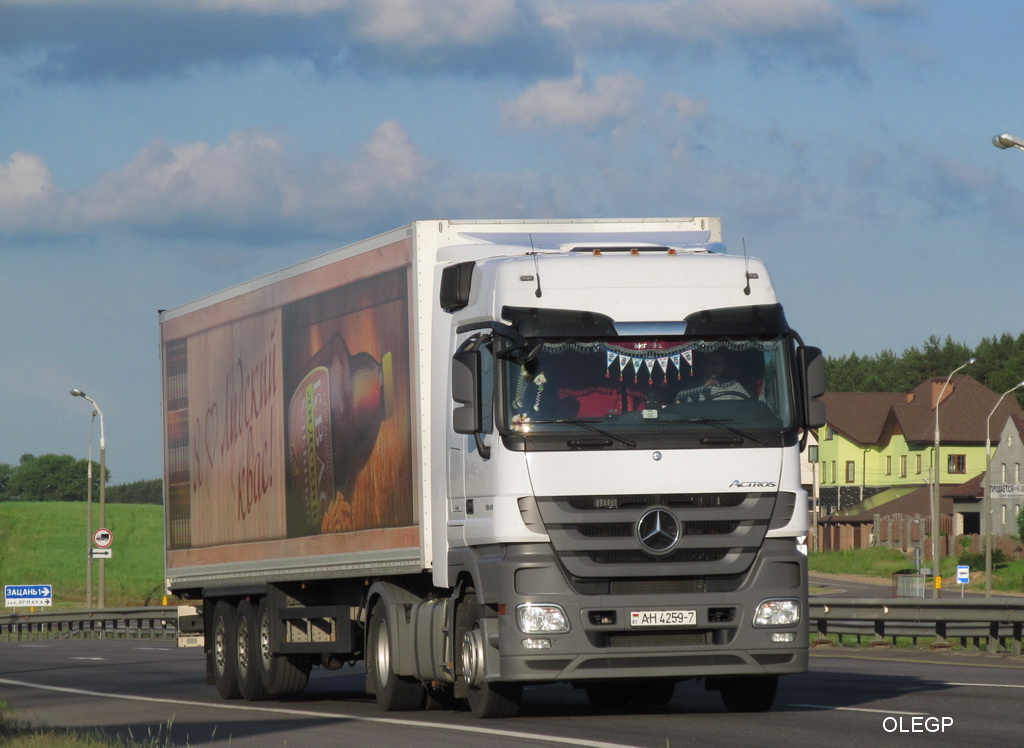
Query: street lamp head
point(77, 393)
point(1005, 140)
point(971, 360)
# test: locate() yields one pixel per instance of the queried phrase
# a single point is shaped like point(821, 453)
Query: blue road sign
point(28, 595)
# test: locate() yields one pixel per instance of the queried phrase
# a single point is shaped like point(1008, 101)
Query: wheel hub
point(473, 657)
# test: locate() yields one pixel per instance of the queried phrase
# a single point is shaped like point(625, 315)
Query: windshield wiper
point(608, 434)
point(722, 423)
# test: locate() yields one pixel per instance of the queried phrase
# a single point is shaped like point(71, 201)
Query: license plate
point(644, 618)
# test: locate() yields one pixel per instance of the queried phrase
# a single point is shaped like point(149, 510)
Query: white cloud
point(250, 183)
point(574, 102)
point(690, 19)
point(425, 24)
point(26, 192)
point(25, 178)
point(682, 108)
point(811, 31)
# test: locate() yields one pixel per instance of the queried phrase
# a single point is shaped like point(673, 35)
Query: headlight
point(536, 618)
point(777, 613)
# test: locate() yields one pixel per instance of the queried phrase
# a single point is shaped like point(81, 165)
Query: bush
point(977, 560)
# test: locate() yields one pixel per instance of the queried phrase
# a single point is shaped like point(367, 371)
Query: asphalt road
point(849, 697)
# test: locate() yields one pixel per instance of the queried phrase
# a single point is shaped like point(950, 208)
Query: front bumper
point(601, 644)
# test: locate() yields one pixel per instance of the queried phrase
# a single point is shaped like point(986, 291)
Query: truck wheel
point(225, 677)
point(487, 699)
point(282, 675)
point(247, 653)
point(752, 694)
point(394, 693)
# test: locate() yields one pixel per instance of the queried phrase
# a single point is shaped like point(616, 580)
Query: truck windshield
point(628, 385)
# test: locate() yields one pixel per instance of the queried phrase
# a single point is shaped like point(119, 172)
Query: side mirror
point(467, 417)
point(812, 374)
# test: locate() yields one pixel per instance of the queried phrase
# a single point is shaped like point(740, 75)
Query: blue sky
point(154, 152)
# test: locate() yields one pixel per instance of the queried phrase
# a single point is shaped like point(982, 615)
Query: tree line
point(999, 366)
point(55, 477)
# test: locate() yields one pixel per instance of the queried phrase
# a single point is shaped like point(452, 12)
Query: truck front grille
point(717, 534)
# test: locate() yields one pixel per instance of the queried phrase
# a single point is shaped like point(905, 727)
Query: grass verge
point(18, 733)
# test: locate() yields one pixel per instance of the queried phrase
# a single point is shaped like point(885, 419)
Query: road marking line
point(973, 685)
point(325, 715)
point(858, 709)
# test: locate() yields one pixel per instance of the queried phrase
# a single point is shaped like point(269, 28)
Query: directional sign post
point(28, 595)
point(963, 577)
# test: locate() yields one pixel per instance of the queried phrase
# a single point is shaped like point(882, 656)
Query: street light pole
point(88, 517)
point(935, 481)
point(103, 491)
point(988, 491)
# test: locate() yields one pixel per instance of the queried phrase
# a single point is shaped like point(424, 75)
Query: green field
point(47, 543)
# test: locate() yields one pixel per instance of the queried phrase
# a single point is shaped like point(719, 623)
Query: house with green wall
point(877, 450)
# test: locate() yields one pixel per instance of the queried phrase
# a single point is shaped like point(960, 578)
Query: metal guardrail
point(999, 622)
point(121, 623)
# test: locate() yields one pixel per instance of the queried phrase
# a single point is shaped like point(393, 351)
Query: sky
point(155, 152)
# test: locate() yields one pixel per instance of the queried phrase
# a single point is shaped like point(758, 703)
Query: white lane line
point(973, 685)
point(858, 709)
point(327, 715)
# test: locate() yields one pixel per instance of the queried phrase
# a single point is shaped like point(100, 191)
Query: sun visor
point(759, 319)
point(558, 323)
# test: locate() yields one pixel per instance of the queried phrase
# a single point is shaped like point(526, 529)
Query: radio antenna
point(746, 267)
point(536, 268)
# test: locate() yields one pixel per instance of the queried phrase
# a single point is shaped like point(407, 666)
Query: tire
point(247, 653)
point(394, 693)
point(225, 675)
point(282, 675)
point(487, 699)
point(752, 694)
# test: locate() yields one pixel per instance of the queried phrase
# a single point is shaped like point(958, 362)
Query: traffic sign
point(101, 553)
point(103, 538)
point(28, 595)
point(963, 574)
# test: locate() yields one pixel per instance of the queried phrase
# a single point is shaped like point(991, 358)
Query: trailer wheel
point(751, 694)
point(225, 676)
point(250, 684)
point(487, 699)
point(394, 693)
point(282, 675)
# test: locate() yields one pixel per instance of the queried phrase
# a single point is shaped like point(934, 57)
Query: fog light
point(536, 618)
point(784, 637)
point(777, 613)
point(536, 643)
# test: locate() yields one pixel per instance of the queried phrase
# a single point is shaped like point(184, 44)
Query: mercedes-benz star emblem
point(658, 531)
